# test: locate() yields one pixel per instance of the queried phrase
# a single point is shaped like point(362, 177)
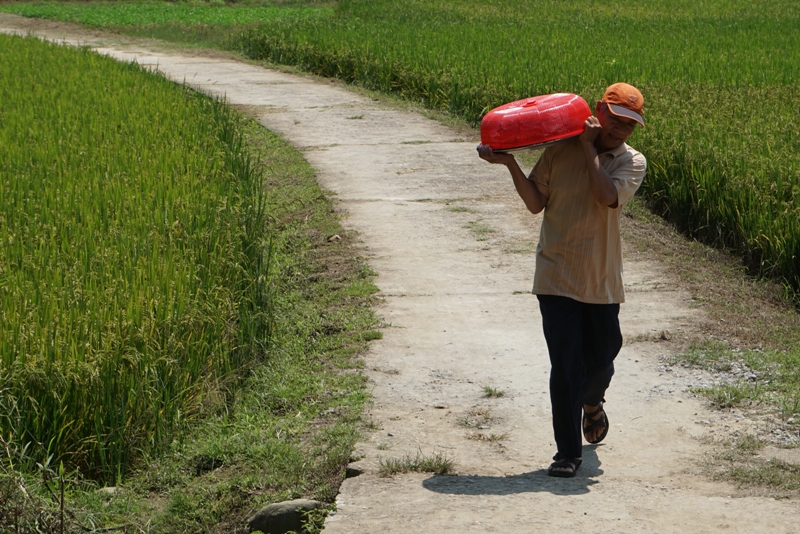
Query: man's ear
point(598, 107)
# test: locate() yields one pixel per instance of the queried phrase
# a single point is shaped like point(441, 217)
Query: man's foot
point(595, 423)
point(564, 467)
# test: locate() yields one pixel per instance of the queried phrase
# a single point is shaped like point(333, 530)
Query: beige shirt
point(579, 253)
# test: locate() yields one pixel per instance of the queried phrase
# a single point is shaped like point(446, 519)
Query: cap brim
point(619, 111)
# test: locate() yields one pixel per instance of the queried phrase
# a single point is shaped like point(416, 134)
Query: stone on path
point(282, 517)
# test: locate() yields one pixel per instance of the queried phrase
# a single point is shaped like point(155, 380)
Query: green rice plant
point(720, 80)
point(201, 23)
point(110, 14)
point(134, 271)
point(722, 141)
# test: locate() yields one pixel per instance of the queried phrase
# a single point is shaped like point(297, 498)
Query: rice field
point(112, 14)
point(134, 269)
point(720, 79)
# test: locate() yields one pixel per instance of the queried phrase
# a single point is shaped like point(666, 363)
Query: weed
point(437, 464)
point(489, 391)
point(314, 520)
point(491, 438)
point(461, 209)
point(525, 248)
point(749, 444)
point(765, 375)
point(477, 418)
point(740, 464)
point(729, 395)
point(370, 425)
point(480, 229)
point(371, 335)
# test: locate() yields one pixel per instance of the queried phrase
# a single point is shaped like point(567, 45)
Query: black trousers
point(583, 340)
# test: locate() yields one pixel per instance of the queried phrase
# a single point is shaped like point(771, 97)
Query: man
point(582, 184)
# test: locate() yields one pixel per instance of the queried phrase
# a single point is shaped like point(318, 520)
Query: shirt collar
point(616, 152)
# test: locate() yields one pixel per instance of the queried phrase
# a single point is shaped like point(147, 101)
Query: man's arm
point(602, 184)
point(534, 200)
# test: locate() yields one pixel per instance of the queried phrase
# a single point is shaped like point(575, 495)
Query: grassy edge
point(751, 332)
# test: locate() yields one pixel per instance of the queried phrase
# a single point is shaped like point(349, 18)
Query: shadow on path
point(532, 482)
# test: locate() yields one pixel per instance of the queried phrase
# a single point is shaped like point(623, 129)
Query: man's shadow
point(534, 481)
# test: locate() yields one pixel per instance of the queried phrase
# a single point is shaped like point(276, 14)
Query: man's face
point(614, 130)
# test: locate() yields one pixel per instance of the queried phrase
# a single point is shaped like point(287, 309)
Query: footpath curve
point(453, 249)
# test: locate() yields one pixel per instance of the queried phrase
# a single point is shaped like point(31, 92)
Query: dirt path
point(453, 249)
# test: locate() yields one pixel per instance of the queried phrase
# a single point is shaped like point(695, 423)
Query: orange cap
point(624, 101)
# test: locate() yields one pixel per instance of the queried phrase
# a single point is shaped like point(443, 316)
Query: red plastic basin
point(534, 121)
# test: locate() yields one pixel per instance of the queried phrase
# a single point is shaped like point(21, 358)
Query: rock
point(353, 471)
point(108, 491)
point(282, 517)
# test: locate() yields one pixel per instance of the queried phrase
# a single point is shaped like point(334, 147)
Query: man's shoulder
point(634, 154)
point(567, 147)
point(629, 160)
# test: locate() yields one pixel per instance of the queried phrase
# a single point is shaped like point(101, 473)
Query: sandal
point(601, 421)
point(564, 467)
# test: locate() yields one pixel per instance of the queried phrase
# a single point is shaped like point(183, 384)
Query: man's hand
point(602, 184)
point(486, 153)
point(591, 130)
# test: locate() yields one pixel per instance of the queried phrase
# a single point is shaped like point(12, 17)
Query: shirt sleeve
point(628, 177)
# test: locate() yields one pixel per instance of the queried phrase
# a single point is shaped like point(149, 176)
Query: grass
point(489, 391)
point(751, 332)
point(461, 209)
point(438, 464)
point(491, 438)
point(760, 375)
point(478, 417)
point(281, 426)
point(741, 464)
point(480, 229)
point(730, 395)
